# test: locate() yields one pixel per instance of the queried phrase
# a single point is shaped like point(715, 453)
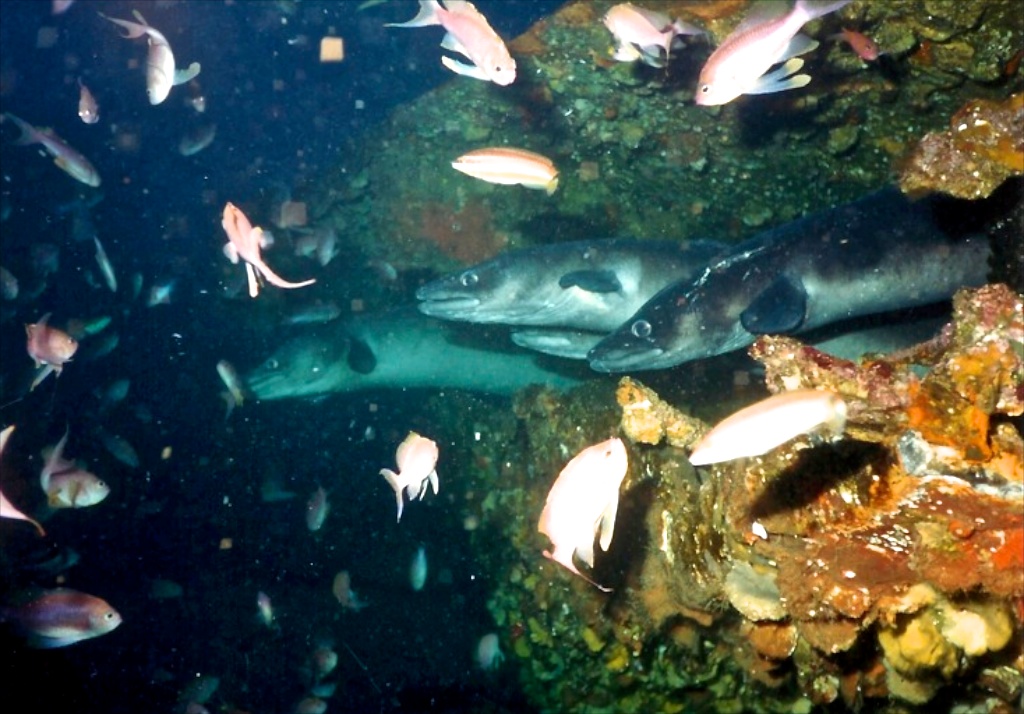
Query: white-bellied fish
point(578, 292)
point(161, 73)
point(7, 509)
point(643, 34)
point(416, 458)
point(88, 107)
point(884, 252)
point(761, 427)
point(61, 617)
point(66, 484)
point(488, 653)
point(49, 347)
point(509, 166)
point(582, 505)
point(236, 391)
point(67, 159)
point(109, 277)
point(265, 610)
point(8, 284)
point(161, 292)
point(245, 242)
point(317, 508)
point(418, 569)
point(470, 35)
point(765, 38)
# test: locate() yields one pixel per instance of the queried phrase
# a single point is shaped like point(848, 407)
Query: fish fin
point(779, 80)
point(779, 308)
point(561, 559)
point(427, 15)
point(568, 344)
point(452, 44)
point(594, 281)
point(800, 44)
point(585, 550)
point(231, 252)
point(186, 75)
point(276, 280)
point(41, 642)
point(392, 478)
point(816, 8)
point(607, 523)
point(466, 70)
point(434, 482)
point(51, 459)
point(361, 358)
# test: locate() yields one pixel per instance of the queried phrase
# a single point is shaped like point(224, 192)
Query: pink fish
point(740, 64)
point(61, 617)
point(763, 426)
point(49, 347)
point(470, 35)
point(7, 509)
point(864, 46)
point(582, 503)
point(88, 108)
point(67, 159)
point(245, 242)
point(416, 458)
point(644, 34)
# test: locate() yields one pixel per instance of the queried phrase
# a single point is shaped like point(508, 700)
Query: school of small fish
point(761, 56)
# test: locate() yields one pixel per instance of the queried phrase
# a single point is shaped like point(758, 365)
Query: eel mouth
point(628, 358)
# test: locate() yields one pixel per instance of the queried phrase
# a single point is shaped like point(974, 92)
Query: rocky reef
point(880, 571)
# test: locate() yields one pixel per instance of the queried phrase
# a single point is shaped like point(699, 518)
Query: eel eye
point(469, 279)
point(641, 329)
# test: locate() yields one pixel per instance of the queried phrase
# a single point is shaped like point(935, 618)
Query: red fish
point(864, 46)
point(49, 347)
point(245, 242)
point(582, 503)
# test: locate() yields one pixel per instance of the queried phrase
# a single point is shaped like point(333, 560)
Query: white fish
point(488, 652)
point(740, 64)
point(416, 458)
point(67, 159)
point(644, 34)
point(583, 503)
point(161, 74)
point(418, 570)
point(66, 484)
point(759, 428)
point(235, 394)
point(7, 509)
point(105, 266)
point(470, 35)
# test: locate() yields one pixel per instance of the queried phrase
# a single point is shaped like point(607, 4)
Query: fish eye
point(272, 363)
point(641, 329)
point(469, 279)
point(705, 88)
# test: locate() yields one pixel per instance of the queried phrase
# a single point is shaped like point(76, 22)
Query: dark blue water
point(284, 119)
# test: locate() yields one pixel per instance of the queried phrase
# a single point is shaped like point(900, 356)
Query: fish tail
point(29, 134)
point(274, 279)
point(392, 478)
point(429, 14)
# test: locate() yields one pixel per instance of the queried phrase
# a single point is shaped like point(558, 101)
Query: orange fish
point(508, 166)
point(49, 347)
point(245, 242)
point(582, 503)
